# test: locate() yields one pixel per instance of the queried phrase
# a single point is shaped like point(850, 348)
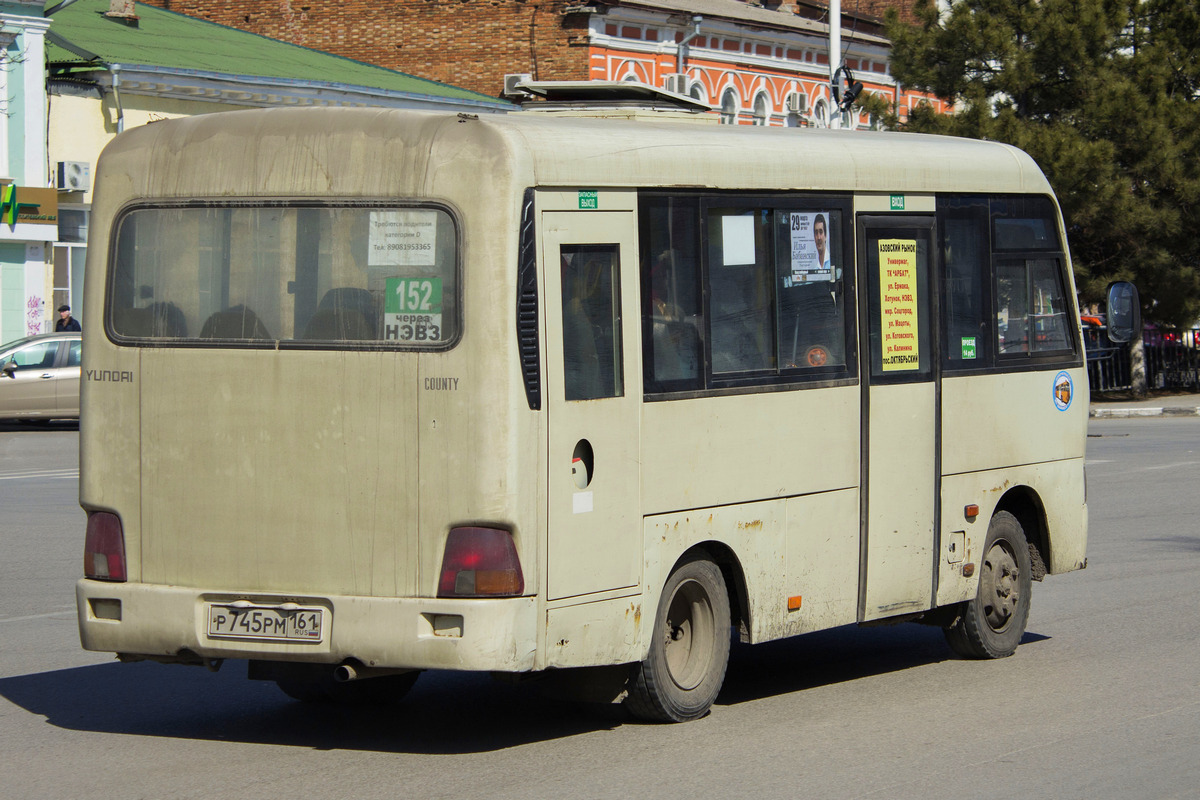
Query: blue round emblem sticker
point(1064, 391)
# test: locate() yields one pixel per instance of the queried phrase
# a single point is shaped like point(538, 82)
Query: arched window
point(697, 93)
point(762, 109)
point(729, 107)
point(821, 114)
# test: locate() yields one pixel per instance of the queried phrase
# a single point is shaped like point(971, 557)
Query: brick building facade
point(761, 63)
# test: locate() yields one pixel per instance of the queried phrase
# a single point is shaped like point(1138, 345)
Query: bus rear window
point(299, 276)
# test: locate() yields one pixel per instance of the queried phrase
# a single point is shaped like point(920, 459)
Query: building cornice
point(750, 19)
point(36, 24)
point(869, 48)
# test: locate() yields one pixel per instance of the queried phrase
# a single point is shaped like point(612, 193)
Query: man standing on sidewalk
point(65, 321)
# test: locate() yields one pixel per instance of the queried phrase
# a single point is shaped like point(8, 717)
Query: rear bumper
point(411, 633)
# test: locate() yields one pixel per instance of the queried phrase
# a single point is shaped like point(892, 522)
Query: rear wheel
point(684, 670)
point(992, 624)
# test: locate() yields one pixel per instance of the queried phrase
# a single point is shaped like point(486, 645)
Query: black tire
point(991, 625)
point(689, 648)
point(323, 688)
point(306, 691)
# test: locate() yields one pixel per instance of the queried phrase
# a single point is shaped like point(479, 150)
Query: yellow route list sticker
point(898, 305)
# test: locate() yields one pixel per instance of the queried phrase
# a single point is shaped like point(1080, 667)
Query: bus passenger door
point(900, 410)
point(593, 401)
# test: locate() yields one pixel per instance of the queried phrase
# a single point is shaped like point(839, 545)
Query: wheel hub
point(1001, 587)
point(689, 631)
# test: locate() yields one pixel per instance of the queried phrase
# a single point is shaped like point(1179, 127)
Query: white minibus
point(370, 392)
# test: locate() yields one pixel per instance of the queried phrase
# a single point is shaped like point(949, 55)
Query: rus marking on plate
point(897, 202)
point(589, 199)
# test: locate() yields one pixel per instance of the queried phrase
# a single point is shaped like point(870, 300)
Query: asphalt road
point(1102, 700)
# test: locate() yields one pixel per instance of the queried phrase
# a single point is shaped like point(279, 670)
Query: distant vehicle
point(39, 377)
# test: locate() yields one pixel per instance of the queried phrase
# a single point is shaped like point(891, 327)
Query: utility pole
point(835, 61)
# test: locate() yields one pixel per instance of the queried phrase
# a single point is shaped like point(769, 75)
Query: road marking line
point(1169, 466)
point(51, 474)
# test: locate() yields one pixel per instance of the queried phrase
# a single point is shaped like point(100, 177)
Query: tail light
point(104, 550)
point(480, 562)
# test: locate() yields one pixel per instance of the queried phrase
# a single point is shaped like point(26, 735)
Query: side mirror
point(1124, 312)
point(9, 368)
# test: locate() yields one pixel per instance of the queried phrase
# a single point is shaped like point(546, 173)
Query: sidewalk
point(1114, 405)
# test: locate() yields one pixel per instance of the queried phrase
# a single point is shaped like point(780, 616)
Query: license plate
point(269, 623)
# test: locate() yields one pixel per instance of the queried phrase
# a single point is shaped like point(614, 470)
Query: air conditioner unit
point(74, 176)
point(797, 104)
point(512, 85)
point(677, 82)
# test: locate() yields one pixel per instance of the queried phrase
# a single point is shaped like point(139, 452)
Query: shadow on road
point(1178, 542)
point(833, 656)
point(447, 712)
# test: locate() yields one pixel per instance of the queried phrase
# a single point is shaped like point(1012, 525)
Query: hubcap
point(999, 586)
point(688, 635)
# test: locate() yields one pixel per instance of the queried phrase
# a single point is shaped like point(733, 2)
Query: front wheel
point(992, 624)
point(684, 670)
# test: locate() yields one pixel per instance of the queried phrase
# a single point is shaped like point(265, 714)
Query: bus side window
point(966, 302)
point(809, 273)
point(1032, 304)
point(674, 338)
point(740, 292)
point(1012, 313)
point(672, 316)
point(742, 297)
point(1049, 307)
point(1032, 307)
point(591, 309)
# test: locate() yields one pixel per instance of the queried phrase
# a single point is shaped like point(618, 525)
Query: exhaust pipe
point(353, 671)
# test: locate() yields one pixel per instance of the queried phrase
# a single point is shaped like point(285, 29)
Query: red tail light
point(480, 562)
point(104, 551)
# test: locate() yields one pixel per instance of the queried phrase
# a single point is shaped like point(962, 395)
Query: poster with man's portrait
point(810, 247)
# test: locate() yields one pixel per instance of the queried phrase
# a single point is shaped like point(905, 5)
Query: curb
point(1126, 413)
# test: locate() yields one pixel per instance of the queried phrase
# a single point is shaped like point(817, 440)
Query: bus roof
point(372, 152)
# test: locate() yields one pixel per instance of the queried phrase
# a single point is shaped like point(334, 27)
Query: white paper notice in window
point(737, 240)
point(406, 238)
